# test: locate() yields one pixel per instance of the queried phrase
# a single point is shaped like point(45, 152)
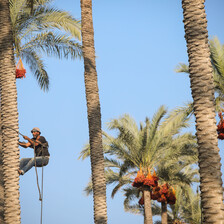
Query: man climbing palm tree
point(40, 146)
point(10, 39)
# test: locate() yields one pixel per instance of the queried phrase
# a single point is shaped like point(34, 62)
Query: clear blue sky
point(138, 45)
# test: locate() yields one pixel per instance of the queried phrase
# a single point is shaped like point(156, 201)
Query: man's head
point(35, 132)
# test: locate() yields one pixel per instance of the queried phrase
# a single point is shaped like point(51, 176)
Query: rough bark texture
point(94, 114)
point(202, 89)
point(164, 216)
point(1, 184)
point(147, 207)
point(9, 117)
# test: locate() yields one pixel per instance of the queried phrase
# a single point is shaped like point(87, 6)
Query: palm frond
point(127, 139)
point(126, 166)
point(89, 188)
point(49, 18)
point(217, 55)
point(45, 18)
point(111, 178)
point(157, 117)
point(107, 140)
point(85, 153)
point(182, 68)
point(130, 203)
point(128, 133)
point(144, 136)
point(191, 208)
point(46, 30)
point(112, 162)
point(154, 138)
point(52, 44)
point(37, 67)
point(176, 120)
point(114, 177)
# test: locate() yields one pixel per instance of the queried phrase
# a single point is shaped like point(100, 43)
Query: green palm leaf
point(47, 30)
point(52, 44)
point(37, 67)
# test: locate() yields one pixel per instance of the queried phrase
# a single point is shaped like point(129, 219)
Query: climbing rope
point(3, 126)
point(42, 181)
point(35, 161)
point(42, 189)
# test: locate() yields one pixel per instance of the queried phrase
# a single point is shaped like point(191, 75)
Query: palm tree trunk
point(164, 213)
point(204, 109)
point(9, 117)
point(94, 114)
point(147, 207)
point(1, 185)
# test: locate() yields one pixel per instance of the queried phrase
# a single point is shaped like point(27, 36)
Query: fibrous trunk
point(204, 109)
point(9, 118)
point(94, 115)
point(147, 207)
point(1, 184)
point(164, 213)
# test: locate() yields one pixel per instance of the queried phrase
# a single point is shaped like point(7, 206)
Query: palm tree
point(26, 36)
point(48, 31)
point(145, 147)
point(202, 89)
point(94, 114)
point(9, 117)
point(150, 146)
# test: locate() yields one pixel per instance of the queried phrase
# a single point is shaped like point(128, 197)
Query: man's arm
point(30, 141)
point(25, 145)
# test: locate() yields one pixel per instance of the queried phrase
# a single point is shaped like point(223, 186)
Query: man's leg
point(22, 164)
point(28, 165)
point(42, 161)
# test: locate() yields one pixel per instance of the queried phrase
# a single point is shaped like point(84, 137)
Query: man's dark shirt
point(38, 149)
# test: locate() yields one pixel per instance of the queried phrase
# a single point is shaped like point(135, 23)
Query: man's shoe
point(21, 172)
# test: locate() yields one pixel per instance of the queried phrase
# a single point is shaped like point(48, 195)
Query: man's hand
point(23, 144)
point(25, 137)
point(30, 142)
